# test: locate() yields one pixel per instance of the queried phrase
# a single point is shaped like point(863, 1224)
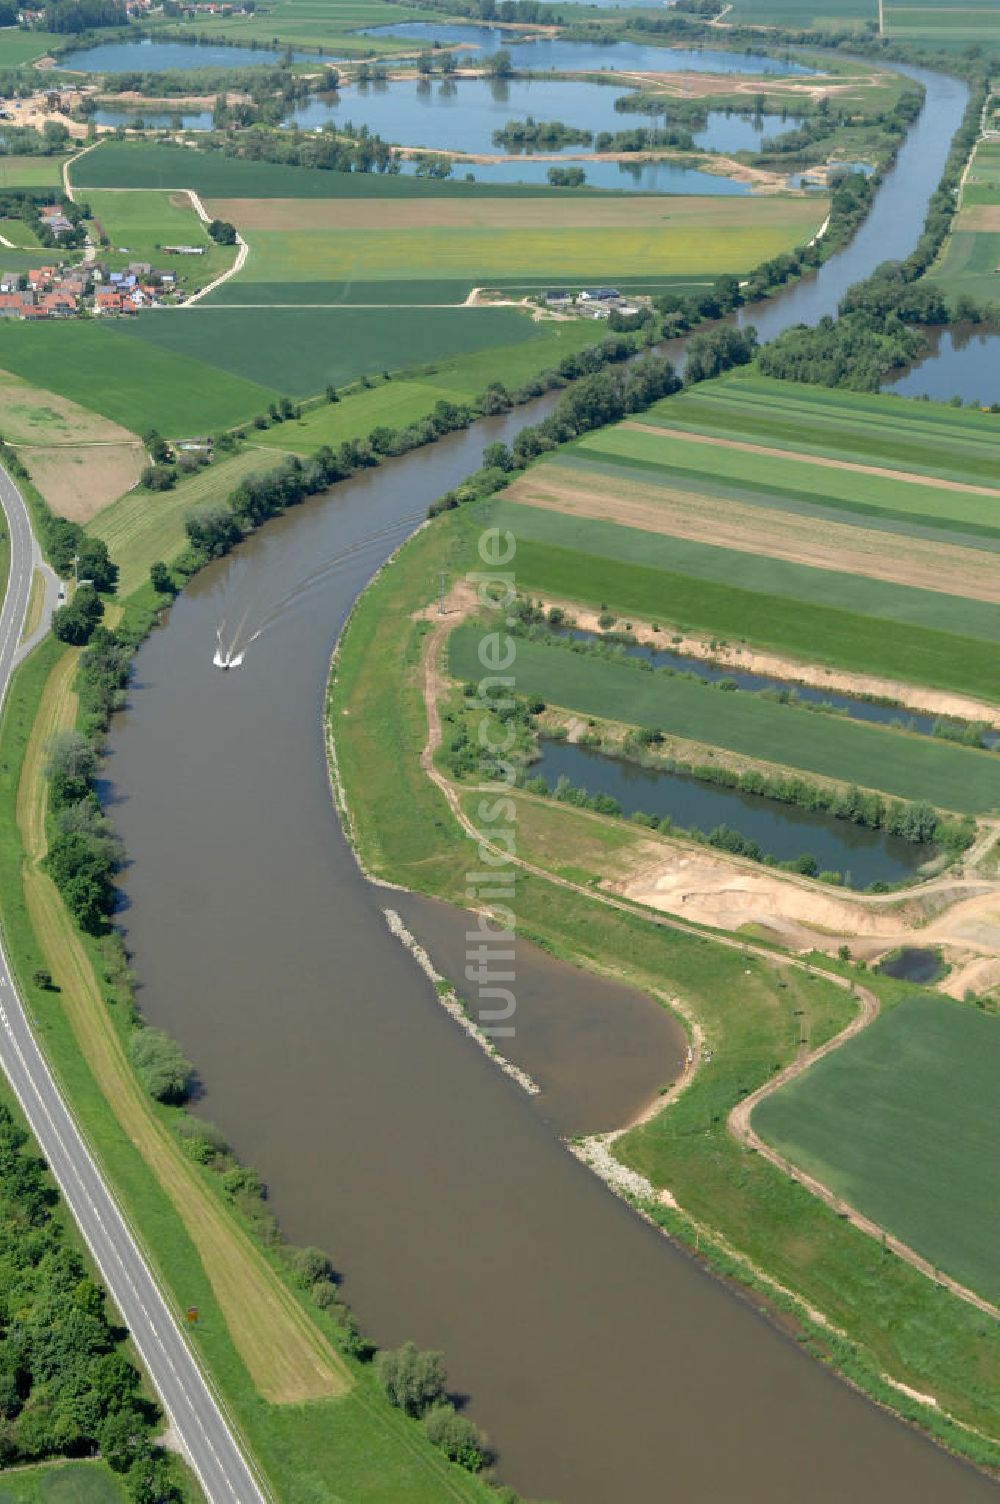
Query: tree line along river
point(604, 1364)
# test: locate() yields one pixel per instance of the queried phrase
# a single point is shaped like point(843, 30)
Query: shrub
point(161, 1066)
point(457, 1437)
point(412, 1379)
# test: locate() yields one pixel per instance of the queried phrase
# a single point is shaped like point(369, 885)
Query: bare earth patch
point(505, 213)
point(80, 481)
point(780, 535)
point(979, 217)
point(32, 415)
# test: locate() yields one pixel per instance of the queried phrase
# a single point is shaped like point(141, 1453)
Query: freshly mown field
point(130, 381)
point(902, 1122)
point(893, 433)
point(62, 1483)
point(123, 164)
point(903, 765)
point(139, 224)
point(27, 172)
point(297, 351)
point(143, 525)
point(949, 27)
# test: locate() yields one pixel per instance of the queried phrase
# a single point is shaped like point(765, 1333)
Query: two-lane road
point(211, 1447)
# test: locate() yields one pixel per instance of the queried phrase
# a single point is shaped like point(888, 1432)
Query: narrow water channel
point(604, 1364)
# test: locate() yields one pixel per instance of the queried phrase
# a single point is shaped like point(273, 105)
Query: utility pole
point(441, 610)
point(76, 569)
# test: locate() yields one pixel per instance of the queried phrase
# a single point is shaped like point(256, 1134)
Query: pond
point(572, 56)
point(913, 964)
point(962, 363)
point(463, 114)
point(626, 176)
point(149, 56)
point(190, 120)
point(783, 831)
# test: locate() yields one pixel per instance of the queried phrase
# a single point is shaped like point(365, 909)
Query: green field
point(30, 172)
point(818, 634)
point(938, 24)
point(479, 256)
point(297, 351)
point(312, 25)
point(901, 1122)
point(62, 1483)
point(828, 15)
point(17, 47)
point(904, 765)
point(778, 478)
point(138, 224)
point(131, 381)
point(758, 574)
point(894, 432)
point(122, 164)
point(970, 265)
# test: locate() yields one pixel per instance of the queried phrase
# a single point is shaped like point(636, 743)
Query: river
point(605, 1365)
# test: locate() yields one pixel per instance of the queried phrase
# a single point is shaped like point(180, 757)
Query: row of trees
point(74, 16)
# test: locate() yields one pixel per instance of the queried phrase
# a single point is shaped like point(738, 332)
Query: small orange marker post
point(192, 1314)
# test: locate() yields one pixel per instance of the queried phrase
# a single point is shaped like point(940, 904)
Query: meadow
point(29, 172)
point(17, 47)
point(896, 763)
point(63, 1483)
point(828, 14)
point(138, 224)
point(982, 185)
point(130, 381)
point(949, 27)
point(297, 351)
point(898, 1122)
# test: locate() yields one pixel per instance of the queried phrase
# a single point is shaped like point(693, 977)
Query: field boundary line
point(825, 463)
point(738, 1120)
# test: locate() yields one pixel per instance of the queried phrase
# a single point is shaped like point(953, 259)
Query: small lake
point(627, 176)
point(571, 56)
point(913, 964)
point(712, 673)
point(463, 114)
point(781, 830)
point(148, 56)
point(962, 363)
point(190, 120)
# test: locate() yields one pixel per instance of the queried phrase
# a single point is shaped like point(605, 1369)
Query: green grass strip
point(898, 763)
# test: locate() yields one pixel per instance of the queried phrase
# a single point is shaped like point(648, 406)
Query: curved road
point(208, 1442)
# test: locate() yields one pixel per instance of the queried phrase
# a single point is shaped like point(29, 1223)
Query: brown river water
point(604, 1363)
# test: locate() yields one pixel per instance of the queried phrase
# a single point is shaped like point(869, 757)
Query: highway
point(208, 1441)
